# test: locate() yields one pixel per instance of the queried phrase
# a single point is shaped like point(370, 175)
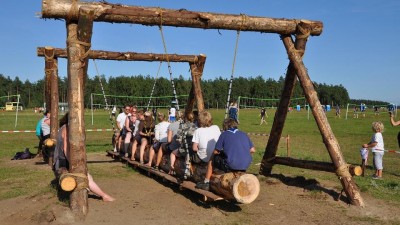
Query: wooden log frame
point(196, 63)
point(69, 10)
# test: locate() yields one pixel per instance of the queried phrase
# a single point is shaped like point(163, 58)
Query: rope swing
point(154, 85)
point(104, 95)
point(233, 66)
point(169, 66)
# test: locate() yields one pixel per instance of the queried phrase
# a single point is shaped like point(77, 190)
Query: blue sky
point(358, 47)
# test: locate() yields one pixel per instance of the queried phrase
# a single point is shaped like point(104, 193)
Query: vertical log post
point(49, 64)
point(51, 68)
point(196, 69)
point(281, 112)
point(329, 138)
point(78, 44)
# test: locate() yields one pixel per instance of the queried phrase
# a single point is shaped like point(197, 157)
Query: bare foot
point(133, 158)
point(107, 198)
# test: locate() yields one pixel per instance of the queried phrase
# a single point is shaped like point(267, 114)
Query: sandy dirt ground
point(147, 200)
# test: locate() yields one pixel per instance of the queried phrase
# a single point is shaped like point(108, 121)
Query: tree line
point(215, 90)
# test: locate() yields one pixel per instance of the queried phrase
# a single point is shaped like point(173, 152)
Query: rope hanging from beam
point(233, 65)
point(104, 95)
point(154, 85)
point(168, 63)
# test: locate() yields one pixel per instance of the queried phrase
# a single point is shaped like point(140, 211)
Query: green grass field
point(305, 143)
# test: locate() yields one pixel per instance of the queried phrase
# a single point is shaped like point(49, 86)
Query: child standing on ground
point(378, 148)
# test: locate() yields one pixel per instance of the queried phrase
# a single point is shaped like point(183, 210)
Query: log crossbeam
point(125, 56)
point(152, 16)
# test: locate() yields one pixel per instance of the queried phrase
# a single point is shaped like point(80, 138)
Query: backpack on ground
point(22, 155)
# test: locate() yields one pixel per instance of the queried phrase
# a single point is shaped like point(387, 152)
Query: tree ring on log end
point(246, 188)
point(68, 183)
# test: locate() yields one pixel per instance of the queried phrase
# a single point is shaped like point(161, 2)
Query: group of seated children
point(193, 135)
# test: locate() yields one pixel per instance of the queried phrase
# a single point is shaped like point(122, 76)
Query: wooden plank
point(210, 196)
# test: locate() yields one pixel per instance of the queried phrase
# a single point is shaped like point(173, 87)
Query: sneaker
point(126, 155)
point(376, 177)
point(202, 185)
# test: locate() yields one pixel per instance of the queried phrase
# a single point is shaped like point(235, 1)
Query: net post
point(91, 105)
point(16, 114)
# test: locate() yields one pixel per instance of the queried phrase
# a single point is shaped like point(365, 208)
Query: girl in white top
point(205, 137)
point(160, 136)
point(378, 148)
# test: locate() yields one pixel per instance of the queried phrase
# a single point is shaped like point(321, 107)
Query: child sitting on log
point(160, 136)
point(204, 138)
point(184, 137)
point(232, 152)
point(146, 131)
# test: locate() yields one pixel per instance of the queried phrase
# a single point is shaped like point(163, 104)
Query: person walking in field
point(263, 114)
point(378, 148)
point(355, 112)
point(337, 109)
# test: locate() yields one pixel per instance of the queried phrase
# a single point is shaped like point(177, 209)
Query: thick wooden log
point(52, 68)
point(328, 137)
point(116, 13)
point(314, 165)
point(281, 112)
point(240, 187)
point(50, 62)
point(126, 56)
point(77, 35)
point(198, 171)
point(196, 92)
point(67, 183)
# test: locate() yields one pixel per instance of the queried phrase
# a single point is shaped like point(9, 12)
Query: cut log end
point(246, 188)
point(356, 170)
point(67, 183)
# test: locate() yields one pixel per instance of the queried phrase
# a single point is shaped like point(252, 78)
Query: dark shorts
point(194, 158)
point(157, 146)
point(122, 133)
point(219, 162)
point(138, 139)
point(166, 148)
